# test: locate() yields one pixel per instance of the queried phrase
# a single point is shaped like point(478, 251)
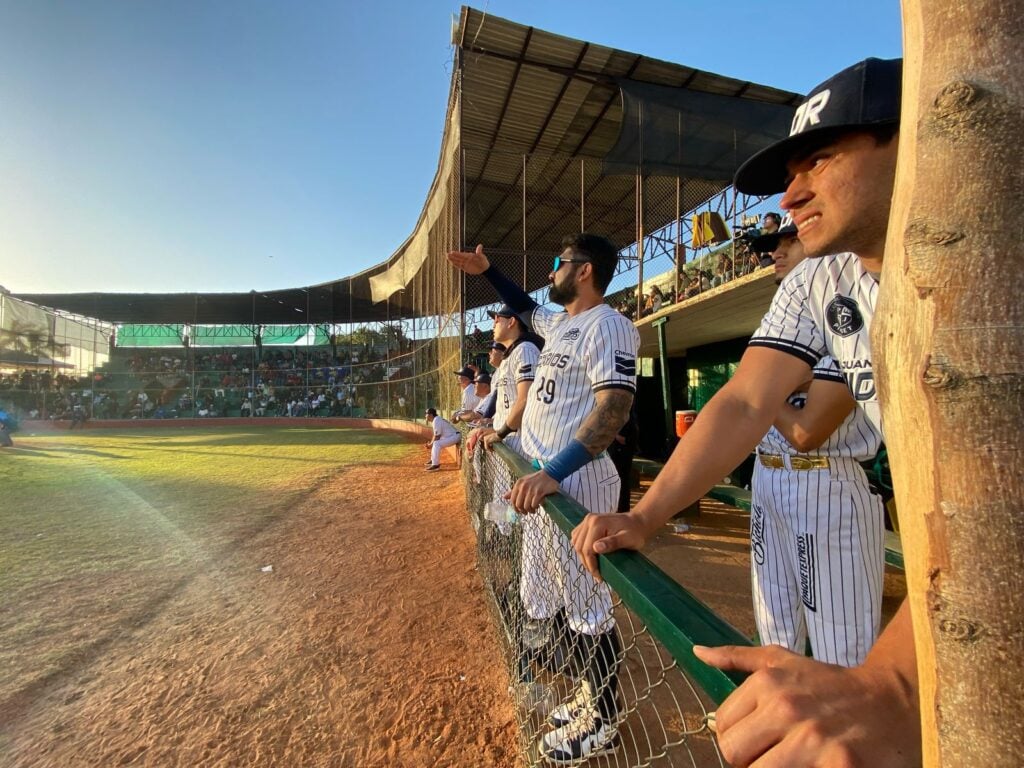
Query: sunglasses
point(559, 261)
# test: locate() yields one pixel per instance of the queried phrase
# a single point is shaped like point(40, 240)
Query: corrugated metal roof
point(530, 92)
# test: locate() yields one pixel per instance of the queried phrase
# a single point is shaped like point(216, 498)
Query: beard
point(562, 294)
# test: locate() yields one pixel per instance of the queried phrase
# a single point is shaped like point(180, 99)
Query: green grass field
point(96, 523)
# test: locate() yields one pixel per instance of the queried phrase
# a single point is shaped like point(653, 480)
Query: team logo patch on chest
point(843, 316)
point(571, 335)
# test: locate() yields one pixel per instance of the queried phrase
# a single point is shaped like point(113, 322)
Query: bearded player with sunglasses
point(579, 400)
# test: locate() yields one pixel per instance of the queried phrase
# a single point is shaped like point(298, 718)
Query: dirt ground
point(367, 645)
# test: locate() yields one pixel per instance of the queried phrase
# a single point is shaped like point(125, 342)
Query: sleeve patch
point(624, 364)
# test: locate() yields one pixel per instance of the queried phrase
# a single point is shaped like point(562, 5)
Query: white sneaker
point(580, 740)
point(581, 703)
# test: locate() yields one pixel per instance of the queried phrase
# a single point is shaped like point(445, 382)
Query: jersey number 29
point(545, 389)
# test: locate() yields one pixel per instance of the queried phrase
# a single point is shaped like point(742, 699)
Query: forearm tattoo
point(602, 425)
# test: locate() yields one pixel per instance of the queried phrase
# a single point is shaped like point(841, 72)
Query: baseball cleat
point(580, 740)
point(582, 703)
point(433, 467)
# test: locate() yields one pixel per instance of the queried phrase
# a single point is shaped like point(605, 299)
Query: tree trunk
point(949, 347)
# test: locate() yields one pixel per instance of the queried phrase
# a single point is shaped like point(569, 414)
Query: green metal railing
point(674, 616)
point(664, 692)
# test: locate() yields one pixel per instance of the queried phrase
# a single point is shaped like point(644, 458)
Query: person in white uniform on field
point(580, 398)
point(444, 435)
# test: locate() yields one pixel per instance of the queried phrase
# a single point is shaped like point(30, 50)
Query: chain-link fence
point(586, 661)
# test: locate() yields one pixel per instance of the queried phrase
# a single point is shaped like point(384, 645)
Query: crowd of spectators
point(298, 381)
point(369, 380)
point(737, 260)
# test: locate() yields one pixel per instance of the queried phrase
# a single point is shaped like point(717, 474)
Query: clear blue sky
point(221, 145)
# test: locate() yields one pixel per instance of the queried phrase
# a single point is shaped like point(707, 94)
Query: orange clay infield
point(369, 644)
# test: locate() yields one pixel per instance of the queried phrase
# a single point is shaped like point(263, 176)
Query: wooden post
point(949, 347)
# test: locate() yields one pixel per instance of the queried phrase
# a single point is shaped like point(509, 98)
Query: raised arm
point(477, 263)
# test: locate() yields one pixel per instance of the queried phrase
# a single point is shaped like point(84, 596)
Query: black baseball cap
point(506, 311)
point(767, 243)
point(497, 345)
point(864, 95)
point(482, 378)
point(466, 371)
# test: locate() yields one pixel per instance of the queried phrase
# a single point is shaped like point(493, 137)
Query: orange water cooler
point(684, 419)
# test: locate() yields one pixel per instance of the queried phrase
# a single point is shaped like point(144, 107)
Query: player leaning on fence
point(837, 170)
point(580, 398)
point(816, 529)
point(542, 601)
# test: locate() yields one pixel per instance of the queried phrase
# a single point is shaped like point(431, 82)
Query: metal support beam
point(666, 384)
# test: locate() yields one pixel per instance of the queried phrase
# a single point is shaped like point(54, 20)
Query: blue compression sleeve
point(568, 460)
point(510, 293)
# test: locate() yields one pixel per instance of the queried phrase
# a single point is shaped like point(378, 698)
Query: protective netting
point(575, 653)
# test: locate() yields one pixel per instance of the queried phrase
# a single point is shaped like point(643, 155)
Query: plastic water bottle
point(500, 511)
point(502, 514)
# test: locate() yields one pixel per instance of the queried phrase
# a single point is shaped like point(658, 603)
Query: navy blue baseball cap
point(768, 243)
point(506, 311)
point(482, 378)
point(498, 346)
point(864, 95)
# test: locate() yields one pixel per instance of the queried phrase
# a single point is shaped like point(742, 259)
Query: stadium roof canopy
point(533, 93)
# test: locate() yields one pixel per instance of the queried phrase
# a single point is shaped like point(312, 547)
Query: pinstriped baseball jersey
point(856, 438)
point(520, 364)
point(582, 355)
point(469, 399)
point(825, 307)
